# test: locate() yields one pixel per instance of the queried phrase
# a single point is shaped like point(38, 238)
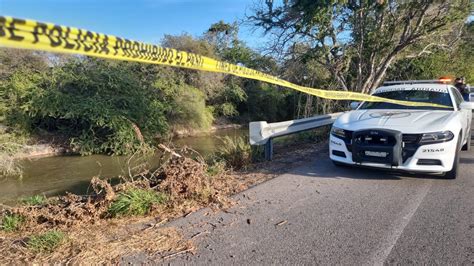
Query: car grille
point(411, 143)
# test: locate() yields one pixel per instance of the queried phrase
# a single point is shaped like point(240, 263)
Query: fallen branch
point(166, 149)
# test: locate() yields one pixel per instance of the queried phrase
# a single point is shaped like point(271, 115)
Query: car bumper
point(442, 154)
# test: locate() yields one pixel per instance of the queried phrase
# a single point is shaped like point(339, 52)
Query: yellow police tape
point(29, 34)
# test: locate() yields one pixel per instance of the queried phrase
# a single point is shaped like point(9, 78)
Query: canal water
point(56, 175)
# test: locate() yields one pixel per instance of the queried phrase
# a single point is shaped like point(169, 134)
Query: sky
point(141, 20)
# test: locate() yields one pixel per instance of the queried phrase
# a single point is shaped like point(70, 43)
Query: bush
point(266, 102)
point(190, 109)
point(187, 104)
point(101, 106)
point(135, 202)
point(10, 146)
point(236, 152)
point(9, 166)
point(11, 222)
point(215, 167)
point(46, 242)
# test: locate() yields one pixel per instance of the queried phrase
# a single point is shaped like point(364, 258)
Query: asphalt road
point(323, 214)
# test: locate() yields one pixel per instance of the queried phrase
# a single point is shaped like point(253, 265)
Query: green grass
point(135, 202)
point(46, 242)
point(34, 200)
point(11, 222)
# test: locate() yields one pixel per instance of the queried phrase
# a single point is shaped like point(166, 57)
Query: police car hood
point(406, 121)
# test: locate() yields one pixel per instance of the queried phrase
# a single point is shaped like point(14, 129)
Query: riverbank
point(181, 186)
point(40, 147)
point(110, 234)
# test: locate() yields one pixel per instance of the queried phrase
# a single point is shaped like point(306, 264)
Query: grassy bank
point(59, 229)
point(97, 227)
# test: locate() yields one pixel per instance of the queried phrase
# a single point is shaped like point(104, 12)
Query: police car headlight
point(437, 137)
point(338, 132)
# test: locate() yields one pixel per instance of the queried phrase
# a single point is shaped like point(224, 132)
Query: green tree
point(187, 104)
point(442, 61)
point(357, 41)
point(222, 35)
point(209, 83)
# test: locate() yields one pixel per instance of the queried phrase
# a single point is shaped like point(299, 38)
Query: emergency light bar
point(400, 82)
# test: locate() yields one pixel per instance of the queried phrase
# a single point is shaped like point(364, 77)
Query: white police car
point(413, 139)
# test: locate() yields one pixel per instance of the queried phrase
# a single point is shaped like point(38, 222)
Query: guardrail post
point(269, 150)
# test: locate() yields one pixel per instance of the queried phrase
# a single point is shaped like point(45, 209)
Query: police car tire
point(454, 172)
point(467, 146)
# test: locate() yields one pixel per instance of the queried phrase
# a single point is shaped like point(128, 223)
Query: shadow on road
point(322, 167)
point(466, 160)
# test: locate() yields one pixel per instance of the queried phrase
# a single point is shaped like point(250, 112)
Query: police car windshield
point(440, 97)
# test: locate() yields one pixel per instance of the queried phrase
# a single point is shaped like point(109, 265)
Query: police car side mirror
point(467, 105)
point(354, 105)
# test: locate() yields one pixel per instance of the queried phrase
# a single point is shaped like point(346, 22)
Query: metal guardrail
point(262, 133)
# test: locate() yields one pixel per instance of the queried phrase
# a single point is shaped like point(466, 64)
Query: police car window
point(415, 95)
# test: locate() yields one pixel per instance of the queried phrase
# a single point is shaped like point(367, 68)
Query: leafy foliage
point(454, 62)
point(187, 105)
point(236, 152)
point(113, 107)
point(98, 104)
point(358, 40)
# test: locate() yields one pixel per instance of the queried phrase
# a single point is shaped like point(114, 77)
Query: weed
point(205, 195)
point(10, 146)
point(9, 167)
point(135, 202)
point(236, 152)
point(35, 200)
point(46, 242)
point(215, 168)
point(11, 222)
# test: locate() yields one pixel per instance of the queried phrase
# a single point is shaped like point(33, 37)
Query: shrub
point(11, 222)
point(34, 200)
point(187, 104)
point(135, 202)
point(9, 167)
point(227, 109)
point(10, 146)
point(101, 106)
point(215, 167)
point(236, 152)
point(46, 242)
